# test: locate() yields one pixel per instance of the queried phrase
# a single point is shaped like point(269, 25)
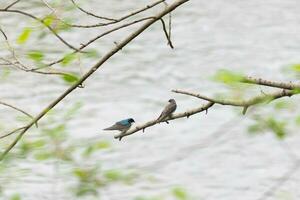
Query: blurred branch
point(105, 58)
point(286, 176)
point(174, 116)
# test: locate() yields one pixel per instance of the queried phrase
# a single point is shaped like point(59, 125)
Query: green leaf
point(228, 77)
point(42, 156)
point(91, 53)
point(70, 78)
point(277, 127)
point(68, 59)
point(85, 189)
point(48, 20)
point(38, 143)
point(297, 120)
point(113, 175)
point(296, 67)
point(255, 128)
point(281, 105)
point(37, 56)
point(179, 193)
point(296, 91)
point(102, 145)
point(15, 197)
point(23, 37)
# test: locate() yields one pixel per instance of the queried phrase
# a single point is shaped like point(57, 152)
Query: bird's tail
point(160, 118)
point(109, 129)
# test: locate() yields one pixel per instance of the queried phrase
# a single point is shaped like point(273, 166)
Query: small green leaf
point(42, 156)
point(113, 175)
point(281, 105)
point(255, 128)
point(70, 78)
point(48, 20)
point(228, 77)
point(91, 53)
point(297, 120)
point(23, 37)
point(296, 67)
point(278, 127)
point(179, 193)
point(296, 91)
point(68, 59)
point(15, 197)
point(102, 145)
point(37, 56)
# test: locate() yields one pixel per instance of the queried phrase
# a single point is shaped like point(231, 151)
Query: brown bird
point(168, 110)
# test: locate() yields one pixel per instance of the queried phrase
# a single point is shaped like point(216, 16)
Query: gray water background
point(212, 155)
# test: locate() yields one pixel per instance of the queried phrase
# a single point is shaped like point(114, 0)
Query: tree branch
point(282, 85)
point(244, 103)
point(174, 116)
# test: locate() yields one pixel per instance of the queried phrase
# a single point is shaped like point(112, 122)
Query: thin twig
point(111, 20)
point(17, 109)
point(12, 132)
point(166, 33)
point(12, 4)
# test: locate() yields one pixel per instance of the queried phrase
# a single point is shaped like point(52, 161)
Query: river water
point(212, 156)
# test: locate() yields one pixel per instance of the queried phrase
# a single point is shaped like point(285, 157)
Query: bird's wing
point(123, 122)
point(168, 110)
point(116, 126)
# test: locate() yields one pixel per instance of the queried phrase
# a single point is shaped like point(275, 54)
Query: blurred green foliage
point(24, 36)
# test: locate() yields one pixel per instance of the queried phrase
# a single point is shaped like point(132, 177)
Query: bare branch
point(12, 4)
point(175, 116)
point(282, 85)
point(90, 13)
point(166, 33)
point(112, 21)
point(246, 103)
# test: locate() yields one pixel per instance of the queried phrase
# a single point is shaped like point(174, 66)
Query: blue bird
point(123, 125)
point(168, 111)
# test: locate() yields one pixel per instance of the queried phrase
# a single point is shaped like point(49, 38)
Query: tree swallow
point(123, 125)
point(168, 110)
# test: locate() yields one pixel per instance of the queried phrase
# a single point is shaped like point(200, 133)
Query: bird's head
point(171, 100)
point(130, 120)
